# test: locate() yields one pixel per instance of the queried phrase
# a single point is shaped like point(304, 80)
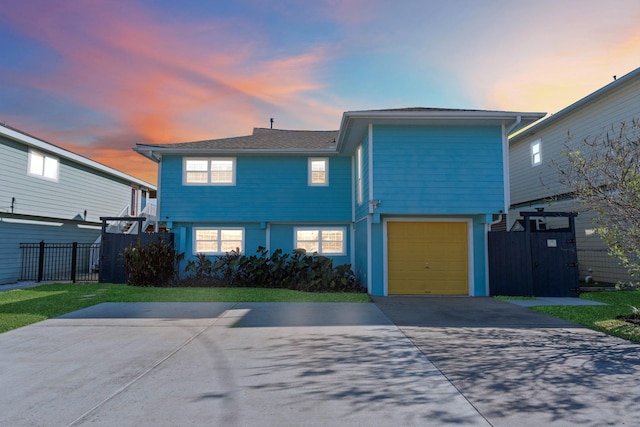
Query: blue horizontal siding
point(268, 188)
point(438, 170)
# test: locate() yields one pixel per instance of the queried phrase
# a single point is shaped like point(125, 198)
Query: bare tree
point(603, 173)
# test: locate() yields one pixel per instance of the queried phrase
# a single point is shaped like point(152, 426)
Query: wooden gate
point(112, 247)
point(539, 261)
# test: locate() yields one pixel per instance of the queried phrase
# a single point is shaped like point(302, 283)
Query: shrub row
point(156, 264)
point(298, 271)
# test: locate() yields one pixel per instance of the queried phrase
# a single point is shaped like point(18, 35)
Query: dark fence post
point(40, 262)
point(74, 261)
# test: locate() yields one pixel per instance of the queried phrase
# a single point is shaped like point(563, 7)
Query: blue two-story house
point(406, 196)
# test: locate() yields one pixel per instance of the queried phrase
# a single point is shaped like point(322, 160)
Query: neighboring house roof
point(31, 141)
point(578, 105)
point(261, 141)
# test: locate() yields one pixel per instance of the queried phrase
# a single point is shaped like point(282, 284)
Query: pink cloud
point(161, 82)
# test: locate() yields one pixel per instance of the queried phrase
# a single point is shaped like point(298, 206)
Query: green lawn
point(602, 318)
point(25, 306)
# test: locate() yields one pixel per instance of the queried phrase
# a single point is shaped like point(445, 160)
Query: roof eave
point(523, 118)
point(154, 153)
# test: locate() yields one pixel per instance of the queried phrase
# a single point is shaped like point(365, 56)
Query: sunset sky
point(98, 76)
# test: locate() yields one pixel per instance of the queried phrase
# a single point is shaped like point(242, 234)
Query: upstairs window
point(324, 241)
point(318, 171)
point(217, 241)
point(536, 152)
point(43, 166)
point(216, 171)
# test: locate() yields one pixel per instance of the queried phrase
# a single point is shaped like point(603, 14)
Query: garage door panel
point(427, 258)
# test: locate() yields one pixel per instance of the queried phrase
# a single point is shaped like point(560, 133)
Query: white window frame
point(359, 170)
point(47, 162)
point(343, 230)
point(536, 155)
point(312, 160)
point(209, 161)
point(219, 240)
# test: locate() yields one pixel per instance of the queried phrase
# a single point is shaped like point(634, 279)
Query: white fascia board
point(156, 152)
point(445, 114)
point(69, 155)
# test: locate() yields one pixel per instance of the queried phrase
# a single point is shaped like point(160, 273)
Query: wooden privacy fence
point(111, 261)
point(75, 262)
point(539, 261)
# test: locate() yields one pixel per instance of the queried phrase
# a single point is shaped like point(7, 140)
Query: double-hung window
point(43, 166)
point(217, 241)
point(210, 171)
point(321, 240)
point(536, 152)
point(318, 171)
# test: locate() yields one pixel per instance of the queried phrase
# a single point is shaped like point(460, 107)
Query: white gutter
point(154, 153)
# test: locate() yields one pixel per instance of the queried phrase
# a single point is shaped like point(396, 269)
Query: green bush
point(297, 271)
point(154, 264)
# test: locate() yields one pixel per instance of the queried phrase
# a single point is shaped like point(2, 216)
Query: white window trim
point(320, 230)
point(532, 154)
point(194, 244)
point(209, 160)
point(326, 171)
point(44, 160)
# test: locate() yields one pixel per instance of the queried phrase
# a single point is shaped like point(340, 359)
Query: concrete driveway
point(521, 368)
point(225, 364)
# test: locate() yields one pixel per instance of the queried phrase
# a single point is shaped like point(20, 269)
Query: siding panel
point(438, 169)
point(77, 189)
point(268, 189)
point(532, 183)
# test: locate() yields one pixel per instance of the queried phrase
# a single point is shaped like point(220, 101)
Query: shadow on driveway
point(520, 367)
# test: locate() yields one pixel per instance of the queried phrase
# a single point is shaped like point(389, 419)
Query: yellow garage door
point(428, 258)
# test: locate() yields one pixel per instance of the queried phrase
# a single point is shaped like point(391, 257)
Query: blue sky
point(99, 76)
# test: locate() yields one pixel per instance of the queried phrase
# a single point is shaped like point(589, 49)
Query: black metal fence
point(75, 262)
point(598, 267)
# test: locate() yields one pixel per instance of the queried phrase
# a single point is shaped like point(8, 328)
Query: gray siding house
point(52, 194)
point(534, 178)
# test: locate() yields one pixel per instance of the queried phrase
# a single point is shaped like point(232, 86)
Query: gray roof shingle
point(263, 139)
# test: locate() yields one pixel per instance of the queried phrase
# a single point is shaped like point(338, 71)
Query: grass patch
point(22, 307)
point(604, 317)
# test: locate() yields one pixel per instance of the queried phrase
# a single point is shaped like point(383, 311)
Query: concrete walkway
point(402, 361)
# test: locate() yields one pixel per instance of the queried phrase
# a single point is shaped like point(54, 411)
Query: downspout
point(353, 211)
point(370, 216)
point(505, 161)
point(507, 195)
point(158, 192)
